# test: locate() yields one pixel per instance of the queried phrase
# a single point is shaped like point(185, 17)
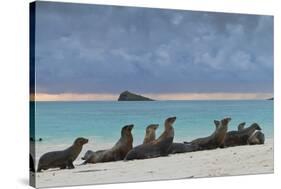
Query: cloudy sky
point(100, 51)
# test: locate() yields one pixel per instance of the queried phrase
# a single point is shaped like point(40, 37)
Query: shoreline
point(43, 101)
point(239, 160)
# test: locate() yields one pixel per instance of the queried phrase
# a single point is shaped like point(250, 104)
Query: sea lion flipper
point(241, 126)
point(70, 165)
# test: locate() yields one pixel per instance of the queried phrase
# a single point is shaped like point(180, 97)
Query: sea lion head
point(80, 141)
point(150, 133)
point(169, 121)
point(224, 122)
point(221, 129)
point(87, 155)
point(260, 136)
point(152, 128)
point(126, 130)
point(256, 126)
point(257, 137)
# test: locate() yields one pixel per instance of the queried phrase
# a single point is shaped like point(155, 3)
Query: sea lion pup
point(216, 139)
point(62, 159)
point(237, 138)
point(150, 133)
point(117, 152)
point(155, 148)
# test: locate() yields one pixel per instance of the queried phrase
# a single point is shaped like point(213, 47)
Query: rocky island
point(128, 96)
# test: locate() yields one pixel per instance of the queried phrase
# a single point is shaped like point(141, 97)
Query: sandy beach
point(211, 163)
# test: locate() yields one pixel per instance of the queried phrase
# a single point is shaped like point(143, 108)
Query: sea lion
point(155, 148)
point(168, 130)
point(150, 133)
point(257, 137)
point(116, 153)
point(62, 159)
point(237, 138)
point(31, 164)
point(216, 139)
point(175, 147)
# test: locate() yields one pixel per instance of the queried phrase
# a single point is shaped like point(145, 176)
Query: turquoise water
point(61, 122)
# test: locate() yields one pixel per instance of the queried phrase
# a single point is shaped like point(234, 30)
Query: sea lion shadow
point(92, 170)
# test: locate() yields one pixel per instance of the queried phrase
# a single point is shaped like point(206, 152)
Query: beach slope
point(210, 163)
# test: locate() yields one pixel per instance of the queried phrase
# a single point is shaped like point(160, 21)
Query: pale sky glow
point(174, 96)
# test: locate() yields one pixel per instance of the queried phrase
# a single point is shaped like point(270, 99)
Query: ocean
point(59, 123)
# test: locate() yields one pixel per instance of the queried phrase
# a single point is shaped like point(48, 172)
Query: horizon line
point(155, 96)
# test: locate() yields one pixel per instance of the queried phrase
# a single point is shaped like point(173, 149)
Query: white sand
point(219, 162)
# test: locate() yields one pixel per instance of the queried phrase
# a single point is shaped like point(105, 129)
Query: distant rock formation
point(128, 96)
point(270, 98)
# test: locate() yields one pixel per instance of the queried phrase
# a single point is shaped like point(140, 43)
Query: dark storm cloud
point(107, 49)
